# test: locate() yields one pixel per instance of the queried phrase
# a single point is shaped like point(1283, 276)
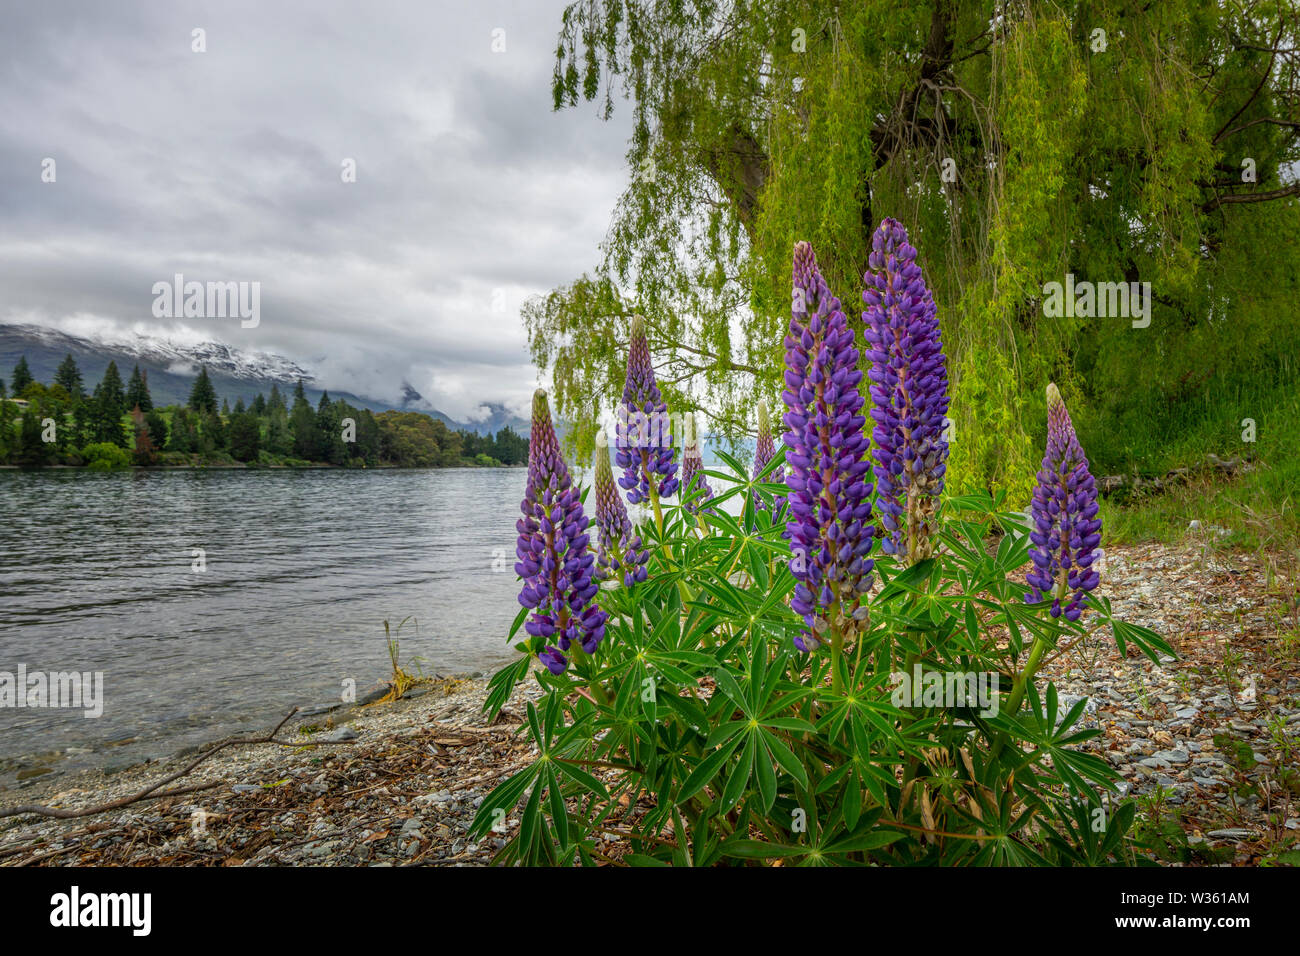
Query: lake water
point(301, 570)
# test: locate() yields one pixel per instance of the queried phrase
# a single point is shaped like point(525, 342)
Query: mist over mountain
point(236, 373)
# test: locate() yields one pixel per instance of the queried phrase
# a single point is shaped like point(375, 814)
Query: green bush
point(105, 456)
point(697, 704)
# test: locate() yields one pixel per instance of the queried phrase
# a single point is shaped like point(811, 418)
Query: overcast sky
point(226, 166)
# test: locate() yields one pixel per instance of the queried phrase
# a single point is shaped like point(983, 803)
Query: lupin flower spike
point(910, 392)
point(763, 454)
point(618, 547)
point(1064, 509)
point(693, 469)
point(554, 561)
point(645, 441)
point(830, 504)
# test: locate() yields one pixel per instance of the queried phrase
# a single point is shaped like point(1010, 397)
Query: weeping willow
point(1019, 142)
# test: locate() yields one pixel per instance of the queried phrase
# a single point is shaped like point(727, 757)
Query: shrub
point(767, 690)
point(105, 456)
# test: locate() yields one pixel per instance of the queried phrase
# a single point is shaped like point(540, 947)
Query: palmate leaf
point(742, 730)
point(706, 770)
point(502, 685)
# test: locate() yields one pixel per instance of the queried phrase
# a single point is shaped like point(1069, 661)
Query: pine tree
point(184, 437)
point(215, 437)
point(137, 391)
point(157, 426)
point(276, 400)
point(111, 386)
point(21, 378)
point(32, 451)
point(108, 407)
point(259, 405)
point(203, 397)
point(329, 435)
point(303, 424)
point(69, 376)
point(245, 436)
point(278, 439)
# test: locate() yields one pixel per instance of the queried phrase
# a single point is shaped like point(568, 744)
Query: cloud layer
point(225, 165)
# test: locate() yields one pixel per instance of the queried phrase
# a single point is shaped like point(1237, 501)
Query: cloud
point(471, 195)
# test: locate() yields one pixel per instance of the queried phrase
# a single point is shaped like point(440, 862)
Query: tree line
point(117, 424)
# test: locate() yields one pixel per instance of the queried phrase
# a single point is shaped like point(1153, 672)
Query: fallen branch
point(152, 793)
point(1232, 468)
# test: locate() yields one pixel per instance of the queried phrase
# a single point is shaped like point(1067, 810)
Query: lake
point(300, 570)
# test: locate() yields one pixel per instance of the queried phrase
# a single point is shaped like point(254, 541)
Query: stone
point(1232, 833)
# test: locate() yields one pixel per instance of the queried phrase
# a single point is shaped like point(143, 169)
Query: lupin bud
point(618, 547)
point(764, 452)
point(644, 441)
point(554, 560)
point(693, 470)
point(830, 498)
point(910, 392)
point(1066, 530)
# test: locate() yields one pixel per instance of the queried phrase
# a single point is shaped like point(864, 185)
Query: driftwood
point(1133, 484)
point(152, 792)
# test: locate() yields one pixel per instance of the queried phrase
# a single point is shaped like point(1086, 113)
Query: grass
point(1258, 510)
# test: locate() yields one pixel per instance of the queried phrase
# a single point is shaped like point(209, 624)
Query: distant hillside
point(171, 370)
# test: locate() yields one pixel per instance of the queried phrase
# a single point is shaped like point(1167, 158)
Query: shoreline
point(1205, 743)
point(341, 802)
point(245, 466)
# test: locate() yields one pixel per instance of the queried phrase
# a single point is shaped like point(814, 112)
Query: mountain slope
point(171, 370)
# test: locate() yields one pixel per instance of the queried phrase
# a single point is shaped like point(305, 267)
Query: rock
point(317, 711)
point(320, 849)
point(246, 788)
point(378, 692)
point(1172, 756)
point(1232, 833)
point(340, 734)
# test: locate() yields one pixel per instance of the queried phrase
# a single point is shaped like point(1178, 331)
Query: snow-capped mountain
point(220, 359)
point(171, 367)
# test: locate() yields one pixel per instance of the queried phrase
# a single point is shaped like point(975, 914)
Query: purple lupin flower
point(763, 453)
point(1066, 529)
point(830, 505)
point(618, 546)
point(910, 390)
point(644, 440)
point(552, 550)
point(693, 470)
